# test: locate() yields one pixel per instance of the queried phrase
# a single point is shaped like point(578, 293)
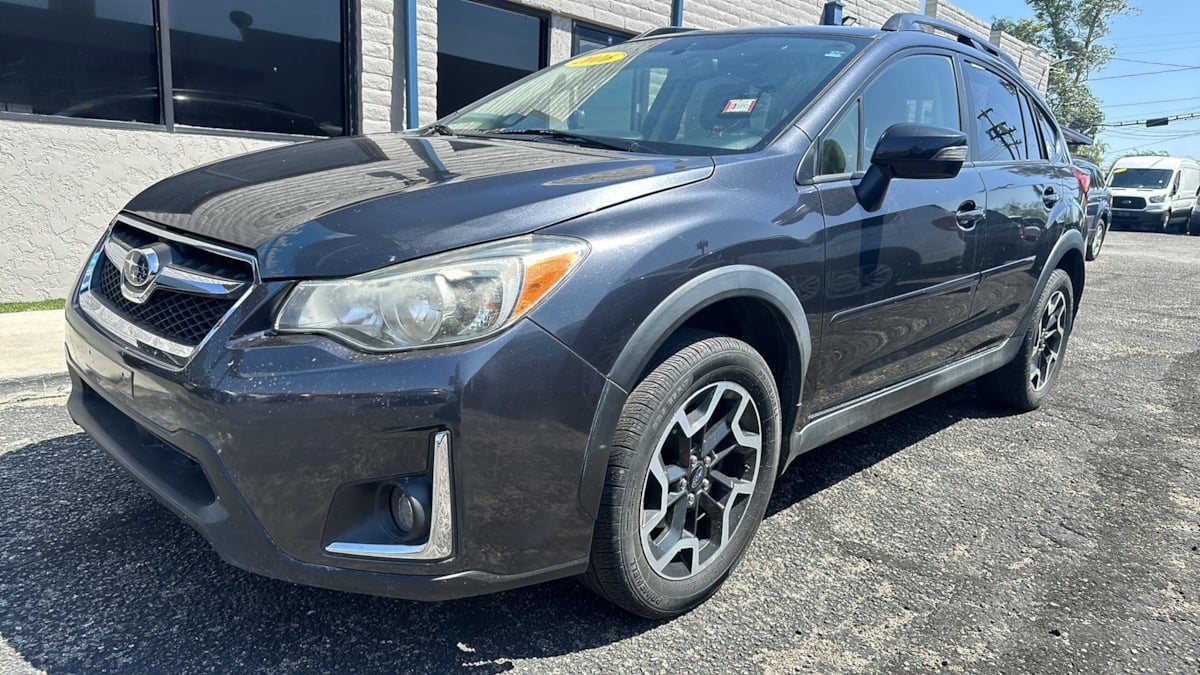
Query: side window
point(918, 89)
point(1097, 179)
point(839, 150)
point(996, 110)
point(1036, 149)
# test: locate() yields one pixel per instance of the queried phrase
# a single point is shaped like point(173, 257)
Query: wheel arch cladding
point(1071, 262)
point(762, 309)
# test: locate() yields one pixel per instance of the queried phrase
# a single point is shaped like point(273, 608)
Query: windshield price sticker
point(740, 106)
point(596, 59)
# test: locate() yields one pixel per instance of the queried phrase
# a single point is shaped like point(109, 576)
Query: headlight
point(452, 297)
point(1156, 199)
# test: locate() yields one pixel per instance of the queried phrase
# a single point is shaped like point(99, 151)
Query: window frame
point(351, 103)
point(812, 158)
point(576, 25)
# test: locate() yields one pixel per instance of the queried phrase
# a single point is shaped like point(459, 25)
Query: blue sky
point(1160, 33)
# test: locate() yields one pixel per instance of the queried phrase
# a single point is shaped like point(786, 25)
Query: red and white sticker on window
point(739, 106)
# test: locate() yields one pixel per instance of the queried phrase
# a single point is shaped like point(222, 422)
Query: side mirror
point(917, 151)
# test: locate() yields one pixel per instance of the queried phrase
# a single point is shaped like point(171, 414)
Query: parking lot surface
point(953, 537)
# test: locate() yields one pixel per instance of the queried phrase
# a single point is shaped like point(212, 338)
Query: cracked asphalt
point(953, 537)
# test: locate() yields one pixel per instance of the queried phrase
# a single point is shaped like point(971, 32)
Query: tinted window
point(918, 89)
point(996, 111)
point(686, 94)
point(585, 38)
point(80, 59)
point(839, 150)
point(259, 65)
point(1052, 145)
point(482, 49)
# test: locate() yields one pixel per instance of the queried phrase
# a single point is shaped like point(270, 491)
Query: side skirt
point(855, 415)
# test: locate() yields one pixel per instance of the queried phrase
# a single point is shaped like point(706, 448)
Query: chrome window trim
point(441, 521)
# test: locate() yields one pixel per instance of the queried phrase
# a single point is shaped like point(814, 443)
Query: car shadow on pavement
point(834, 462)
point(96, 575)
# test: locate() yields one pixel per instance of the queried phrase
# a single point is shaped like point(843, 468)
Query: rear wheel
point(693, 463)
point(1093, 251)
point(1025, 381)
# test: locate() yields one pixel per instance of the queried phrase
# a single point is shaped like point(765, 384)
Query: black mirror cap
point(920, 151)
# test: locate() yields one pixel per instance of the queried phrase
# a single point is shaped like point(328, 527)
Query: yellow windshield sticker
point(596, 59)
point(1120, 170)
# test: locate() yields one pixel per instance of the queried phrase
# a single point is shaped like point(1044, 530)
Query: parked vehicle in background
point(1154, 192)
point(579, 327)
point(1194, 222)
point(1099, 202)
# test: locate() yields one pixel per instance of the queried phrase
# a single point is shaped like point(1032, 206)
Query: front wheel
point(1166, 223)
point(1093, 251)
point(1024, 382)
point(693, 463)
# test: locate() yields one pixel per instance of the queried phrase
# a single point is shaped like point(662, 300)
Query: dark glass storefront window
point(79, 58)
point(482, 48)
point(259, 65)
point(585, 38)
point(248, 65)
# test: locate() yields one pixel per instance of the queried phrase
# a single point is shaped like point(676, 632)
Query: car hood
point(347, 205)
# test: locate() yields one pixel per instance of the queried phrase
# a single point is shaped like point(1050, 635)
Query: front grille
point(1129, 202)
point(184, 318)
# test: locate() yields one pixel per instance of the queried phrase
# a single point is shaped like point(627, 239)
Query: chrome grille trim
point(120, 328)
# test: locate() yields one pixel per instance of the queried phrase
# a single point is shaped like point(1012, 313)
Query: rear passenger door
point(1027, 173)
point(898, 280)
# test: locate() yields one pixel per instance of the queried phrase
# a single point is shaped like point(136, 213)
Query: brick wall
point(1033, 62)
point(959, 16)
point(872, 14)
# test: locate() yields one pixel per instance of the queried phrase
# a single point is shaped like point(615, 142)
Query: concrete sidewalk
point(31, 344)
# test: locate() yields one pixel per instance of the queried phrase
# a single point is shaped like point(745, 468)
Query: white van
point(1155, 192)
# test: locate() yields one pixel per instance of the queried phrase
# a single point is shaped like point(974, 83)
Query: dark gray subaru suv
point(579, 327)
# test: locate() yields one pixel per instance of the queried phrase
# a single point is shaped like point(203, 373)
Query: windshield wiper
point(568, 136)
point(440, 130)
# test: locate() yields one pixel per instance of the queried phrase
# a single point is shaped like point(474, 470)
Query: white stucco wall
point(60, 185)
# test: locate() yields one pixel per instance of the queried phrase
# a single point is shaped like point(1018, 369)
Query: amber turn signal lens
point(541, 276)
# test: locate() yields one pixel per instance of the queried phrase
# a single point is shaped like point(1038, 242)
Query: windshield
point(702, 94)
point(1148, 179)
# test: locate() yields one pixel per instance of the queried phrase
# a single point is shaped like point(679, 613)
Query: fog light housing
point(409, 502)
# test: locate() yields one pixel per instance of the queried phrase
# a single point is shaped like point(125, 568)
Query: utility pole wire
point(1138, 123)
point(1152, 72)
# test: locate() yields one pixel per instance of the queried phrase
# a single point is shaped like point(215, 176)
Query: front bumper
point(255, 439)
point(1138, 218)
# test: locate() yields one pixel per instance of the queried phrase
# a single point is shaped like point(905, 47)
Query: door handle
point(1050, 197)
point(969, 216)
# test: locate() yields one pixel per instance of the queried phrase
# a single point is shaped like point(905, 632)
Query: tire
point(1193, 226)
point(707, 377)
point(1016, 384)
point(1097, 242)
point(1166, 223)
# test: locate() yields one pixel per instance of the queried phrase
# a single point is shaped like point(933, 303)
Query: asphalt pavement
point(953, 537)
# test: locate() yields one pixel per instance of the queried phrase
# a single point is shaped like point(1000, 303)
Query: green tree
point(1071, 32)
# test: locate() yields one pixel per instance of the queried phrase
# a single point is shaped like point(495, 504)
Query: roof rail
point(665, 30)
point(920, 22)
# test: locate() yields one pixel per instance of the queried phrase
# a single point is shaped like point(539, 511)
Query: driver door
point(900, 279)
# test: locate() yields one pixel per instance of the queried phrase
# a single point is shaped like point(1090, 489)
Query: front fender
point(731, 281)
